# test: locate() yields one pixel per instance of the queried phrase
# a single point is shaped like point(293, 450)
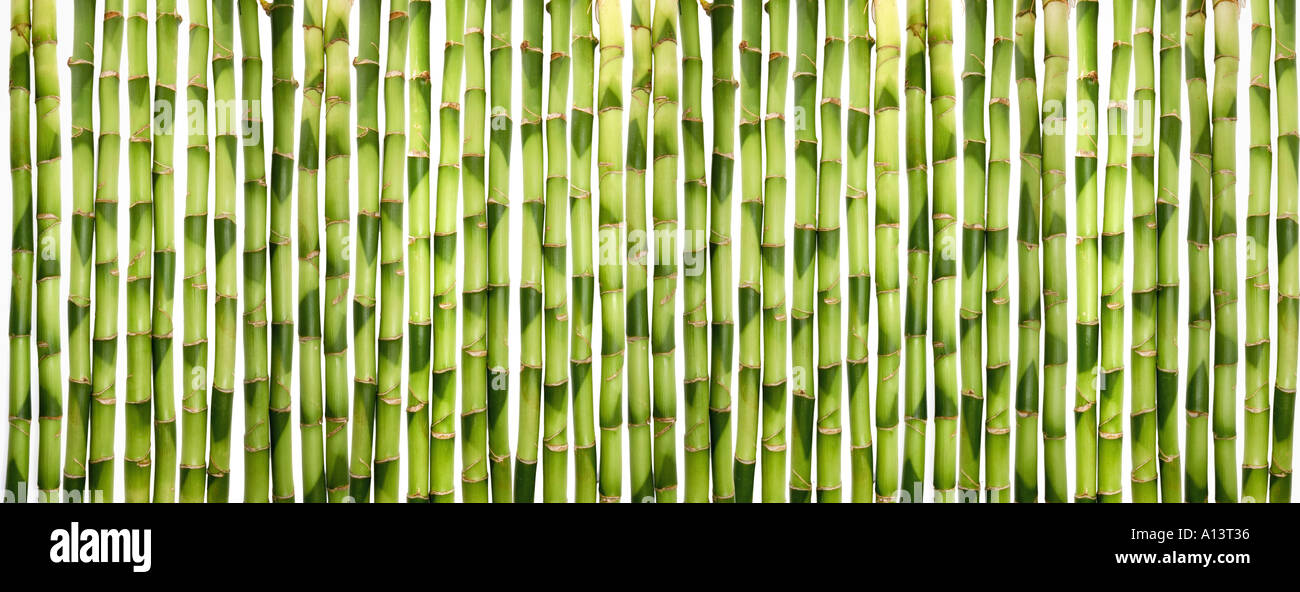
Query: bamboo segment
point(830, 179)
point(1142, 406)
point(695, 331)
point(555, 422)
point(338, 155)
point(858, 171)
point(1087, 326)
point(23, 259)
point(1056, 289)
point(498, 229)
point(1198, 258)
point(224, 226)
point(1223, 226)
point(974, 149)
point(609, 15)
point(1288, 287)
point(1028, 237)
point(419, 322)
point(997, 417)
point(310, 414)
point(1168, 231)
point(280, 401)
point(1254, 467)
point(164, 254)
point(137, 463)
point(916, 319)
point(473, 413)
point(583, 280)
point(766, 203)
point(802, 378)
point(722, 16)
point(749, 292)
point(638, 323)
point(663, 33)
point(943, 270)
point(888, 339)
point(530, 275)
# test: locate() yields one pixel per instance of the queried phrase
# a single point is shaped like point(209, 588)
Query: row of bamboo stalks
point(945, 330)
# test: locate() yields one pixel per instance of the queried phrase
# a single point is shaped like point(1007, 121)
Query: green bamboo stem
point(1111, 399)
point(280, 401)
point(1288, 273)
point(257, 434)
point(858, 173)
point(555, 423)
point(888, 342)
point(139, 356)
point(765, 202)
point(997, 374)
point(1254, 467)
point(473, 409)
point(1028, 236)
point(498, 229)
point(722, 322)
point(530, 268)
point(802, 386)
point(82, 67)
point(916, 321)
point(388, 404)
point(194, 291)
point(310, 407)
point(1198, 258)
point(1224, 232)
point(583, 280)
point(442, 449)
point(1056, 284)
point(943, 271)
point(49, 203)
point(1142, 406)
point(338, 154)
point(1087, 325)
point(164, 256)
point(695, 331)
point(1167, 228)
point(365, 383)
point(663, 33)
point(224, 225)
point(974, 148)
point(609, 15)
point(18, 462)
point(419, 322)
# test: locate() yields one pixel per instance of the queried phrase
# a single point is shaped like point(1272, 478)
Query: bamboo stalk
point(194, 401)
point(1142, 406)
point(1288, 287)
point(82, 67)
point(1254, 467)
point(768, 205)
point(530, 269)
point(888, 340)
point(555, 423)
point(997, 417)
point(338, 216)
point(1198, 257)
point(388, 404)
point(224, 226)
point(802, 386)
point(943, 271)
point(1167, 196)
point(1224, 224)
point(663, 33)
point(1056, 284)
point(139, 357)
point(419, 322)
point(722, 16)
point(443, 444)
point(915, 323)
point(473, 410)
point(859, 278)
point(582, 119)
point(365, 383)
point(310, 414)
point(974, 149)
point(280, 401)
point(164, 255)
point(498, 228)
point(1087, 326)
point(695, 332)
point(609, 161)
point(24, 251)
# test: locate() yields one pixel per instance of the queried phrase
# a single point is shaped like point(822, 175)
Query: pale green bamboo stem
point(943, 270)
point(23, 244)
point(338, 222)
point(858, 172)
point(1224, 233)
point(498, 229)
point(1254, 462)
point(137, 463)
point(695, 331)
point(1056, 282)
point(1198, 258)
point(974, 148)
point(722, 16)
point(609, 15)
point(916, 321)
point(582, 277)
point(419, 322)
point(1087, 325)
point(280, 400)
point(473, 359)
point(997, 374)
point(888, 338)
point(224, 226)
point(365, 382)
point(530, 268)
point(1168, 232)
point(555, 422)
point(802, 371)
point(1288, 286)
point(311, 398)
point(755, 372)
point(164, 255)
point(663, 33)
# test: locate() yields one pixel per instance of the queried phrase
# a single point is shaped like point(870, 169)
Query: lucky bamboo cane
point(139, 356)
point(338, 155)
point(722, 16)
point(24, 250)
point(888, 342)
point(498, 229)
point(82, 66)
point(164, 254)
point(802, 377)
point(419, 321)
point(609, 15)
point(663, 34)
point(442, 447)
point(755, 371)
point(583, 280)
point(530, 268)
point(1142, 406)
point(1198, 257)
point(916, 321)
point(1111, 399)
point(769, 207)
point(695, 331)
point(224, 226)
point(1254, 467)
point(858, 172)
point(943, 270)
point(1171, 89)
point(280, 405)
point(1056, 284)
point(1086, 326)
point(310, 414)
point(473, 359)
point(974, 148)
point(1028, 236)
point(555, 422)
point(997, 373)
point(365, 383)
point(388, 403)
point(194, 374)
point(1288, 287)
point(1224, 233)
point(830, 361)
